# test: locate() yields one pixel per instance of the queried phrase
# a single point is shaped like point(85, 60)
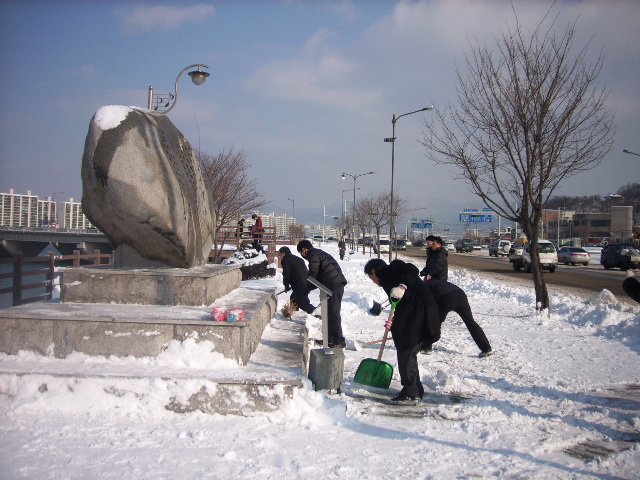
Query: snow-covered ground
point(568, 382)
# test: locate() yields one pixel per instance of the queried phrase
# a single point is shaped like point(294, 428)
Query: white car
point(450, 247)
point(547, 253)
point(573, 256)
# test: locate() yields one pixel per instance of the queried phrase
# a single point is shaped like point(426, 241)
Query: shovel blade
point(374, 373)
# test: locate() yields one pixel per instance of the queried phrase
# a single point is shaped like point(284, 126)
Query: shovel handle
point(386, 332)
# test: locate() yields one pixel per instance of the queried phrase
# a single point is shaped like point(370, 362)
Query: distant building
point(28, 211)
point(281, 222)
point(73, 216)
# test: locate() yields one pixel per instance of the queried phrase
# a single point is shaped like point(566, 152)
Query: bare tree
point(232, 191)
point(296, 232)
point(530, 116)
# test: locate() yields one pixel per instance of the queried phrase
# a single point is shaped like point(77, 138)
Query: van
point(382, 245)
point(464, 245)
point(548, 256)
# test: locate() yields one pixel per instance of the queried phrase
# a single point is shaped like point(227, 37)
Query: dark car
point(418, 243)
point(620, 255)
point(464, 245)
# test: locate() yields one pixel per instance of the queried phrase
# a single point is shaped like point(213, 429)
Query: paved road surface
point(586, 281)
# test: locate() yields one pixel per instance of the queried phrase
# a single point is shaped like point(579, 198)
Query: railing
point(19, 273)
point(227, 237)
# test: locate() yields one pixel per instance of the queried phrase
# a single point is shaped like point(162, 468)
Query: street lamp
point(198, 77)
point(344, 206)
point(353, 207)
point(406, 226)
point(630, 152)
point(293, 215)
point(324, 216)
point(393, 143)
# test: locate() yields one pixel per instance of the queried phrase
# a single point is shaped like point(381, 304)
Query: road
point(583, 281)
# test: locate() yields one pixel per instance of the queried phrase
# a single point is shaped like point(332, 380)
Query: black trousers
point(301, 299)
point(334, 303)
point(408, 370)
point(459, 303)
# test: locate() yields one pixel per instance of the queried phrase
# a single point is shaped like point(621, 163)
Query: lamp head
point(343, 176)
point(198, 77)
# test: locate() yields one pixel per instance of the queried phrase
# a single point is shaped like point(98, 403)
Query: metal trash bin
point(326, 368)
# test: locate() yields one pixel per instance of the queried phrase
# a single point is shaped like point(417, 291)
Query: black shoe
point(404, 398)
point(338, 345)
point(427, 350)
point(488, 353)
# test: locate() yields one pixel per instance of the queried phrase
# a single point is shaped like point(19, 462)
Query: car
point(499, 247)
point(573, 256)
point(477, 246)
point(400, 245)
point(464, 245)
point(620, 255)
point(450, 247)
point(418, 243)
point(382, 246)
point(547, 254)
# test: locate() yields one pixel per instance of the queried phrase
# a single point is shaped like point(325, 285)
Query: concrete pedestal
point(149, 286)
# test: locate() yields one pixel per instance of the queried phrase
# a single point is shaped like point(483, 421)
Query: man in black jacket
point(294, 277)
point(415, 324)
point(324, 268)
point(451, 298)
point(437, 266)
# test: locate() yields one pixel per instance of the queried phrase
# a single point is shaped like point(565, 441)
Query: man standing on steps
point(294, 277)
point(324, 268)
point(415, 324)
point(451, 298)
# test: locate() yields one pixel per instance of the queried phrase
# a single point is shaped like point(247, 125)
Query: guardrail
point(228, 236)
point(18, 286)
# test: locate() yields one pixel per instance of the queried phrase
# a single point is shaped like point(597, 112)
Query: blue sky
point(306, 88)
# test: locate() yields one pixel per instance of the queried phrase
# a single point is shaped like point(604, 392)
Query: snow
point(553, 383)
point(110, 116)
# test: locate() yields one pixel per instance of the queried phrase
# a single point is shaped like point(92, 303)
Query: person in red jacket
point(256, 231)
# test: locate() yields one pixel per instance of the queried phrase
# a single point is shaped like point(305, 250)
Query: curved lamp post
point(344, 206)
point(198, 77)
point(353, 207)
point(393, 143)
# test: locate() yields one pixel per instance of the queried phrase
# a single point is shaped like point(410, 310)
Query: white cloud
point(324, 80)
point(145, 18)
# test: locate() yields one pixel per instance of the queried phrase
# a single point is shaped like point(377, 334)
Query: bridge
point(30, 242)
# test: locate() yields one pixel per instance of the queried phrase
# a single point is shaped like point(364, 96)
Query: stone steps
point(268, 348)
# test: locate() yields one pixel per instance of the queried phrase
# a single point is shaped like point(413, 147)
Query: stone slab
point(149, 286)
point(58, 329)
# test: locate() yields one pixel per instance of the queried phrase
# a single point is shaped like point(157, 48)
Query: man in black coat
point(437, 266)
point(294, 277)
point(451, 298)
point(324, 268)
point(415, 323)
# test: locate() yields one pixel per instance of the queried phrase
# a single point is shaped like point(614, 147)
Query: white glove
point(397, 292)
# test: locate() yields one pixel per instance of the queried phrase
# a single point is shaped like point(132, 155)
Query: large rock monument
point(142, 187)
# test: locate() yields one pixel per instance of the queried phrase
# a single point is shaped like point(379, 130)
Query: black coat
point(416, 317)
point(294, 274)
point(437, 264)
point(324, 268)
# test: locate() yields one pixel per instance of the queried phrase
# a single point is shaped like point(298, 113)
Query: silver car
point(573, 256)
